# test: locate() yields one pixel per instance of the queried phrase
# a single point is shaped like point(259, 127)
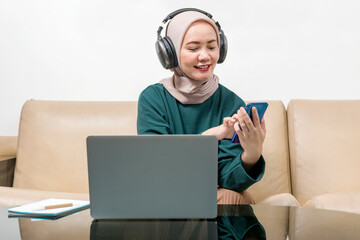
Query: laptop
point(152, 176)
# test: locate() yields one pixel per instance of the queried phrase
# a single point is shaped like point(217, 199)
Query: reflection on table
point(235, 222)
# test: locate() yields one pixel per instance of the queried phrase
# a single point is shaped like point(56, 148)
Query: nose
point(203, 55)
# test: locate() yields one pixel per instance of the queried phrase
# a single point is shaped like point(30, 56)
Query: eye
point(193, 49)
point(212, 47)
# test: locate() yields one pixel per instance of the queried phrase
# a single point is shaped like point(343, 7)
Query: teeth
point(203, 67)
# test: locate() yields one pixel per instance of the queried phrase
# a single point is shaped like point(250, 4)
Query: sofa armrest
point(340, 201)
point(16, 196)
point(8, 147)
point(281, 199)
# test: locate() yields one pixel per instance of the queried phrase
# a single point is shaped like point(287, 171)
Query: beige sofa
point(51, 151)
point(324, 141)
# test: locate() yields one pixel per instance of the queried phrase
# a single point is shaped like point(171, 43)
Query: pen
point(53, 206)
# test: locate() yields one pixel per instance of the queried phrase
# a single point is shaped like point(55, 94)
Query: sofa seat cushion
point(344, 201)
point(18, 196)
point(282, 199)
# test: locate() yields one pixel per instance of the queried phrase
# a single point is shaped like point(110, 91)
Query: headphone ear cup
point(223, 47)
point(166, 53)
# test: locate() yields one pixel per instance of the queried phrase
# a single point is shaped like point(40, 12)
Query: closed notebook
point(49, 208)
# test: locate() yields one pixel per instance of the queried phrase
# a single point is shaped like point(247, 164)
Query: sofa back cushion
point(324, 139)
point(52, 141)
point(52, 151)
point(276, 153)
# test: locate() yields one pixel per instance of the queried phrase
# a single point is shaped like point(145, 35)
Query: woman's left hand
point(251, 136)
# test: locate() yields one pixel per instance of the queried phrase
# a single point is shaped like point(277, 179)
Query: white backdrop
point(104, 49)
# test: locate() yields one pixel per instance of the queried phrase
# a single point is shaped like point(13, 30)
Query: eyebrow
point(197, 42)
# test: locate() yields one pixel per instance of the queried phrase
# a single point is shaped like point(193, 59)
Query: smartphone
point(260, 107)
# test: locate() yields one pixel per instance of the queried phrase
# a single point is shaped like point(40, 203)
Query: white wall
point(104, 49)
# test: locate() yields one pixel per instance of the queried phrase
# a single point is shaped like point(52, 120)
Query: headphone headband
point(174, 13)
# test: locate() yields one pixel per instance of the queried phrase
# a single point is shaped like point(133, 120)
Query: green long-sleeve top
point(160, 113)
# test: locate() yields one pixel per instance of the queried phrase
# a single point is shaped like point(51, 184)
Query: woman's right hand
point(225, 130)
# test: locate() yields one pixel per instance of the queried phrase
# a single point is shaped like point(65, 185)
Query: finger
point(255, 117)
point(235, 116)
point(263, 125)
point(237, 127)
point(238, 130)
point(243, 125)
point(240, 133)
point(247, 120)
point(229, 121)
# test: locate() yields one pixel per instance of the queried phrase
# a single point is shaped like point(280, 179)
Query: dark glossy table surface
point(233, 222)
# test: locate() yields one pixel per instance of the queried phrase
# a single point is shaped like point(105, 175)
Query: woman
point(192, 101)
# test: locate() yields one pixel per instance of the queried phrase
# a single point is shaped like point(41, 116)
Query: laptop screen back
point(152, 176)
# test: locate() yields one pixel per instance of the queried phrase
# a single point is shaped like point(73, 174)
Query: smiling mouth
point(203, 68)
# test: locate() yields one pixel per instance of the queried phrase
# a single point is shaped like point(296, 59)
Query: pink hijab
point(180, 86)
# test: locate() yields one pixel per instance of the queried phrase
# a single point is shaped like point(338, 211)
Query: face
point(199, 52)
